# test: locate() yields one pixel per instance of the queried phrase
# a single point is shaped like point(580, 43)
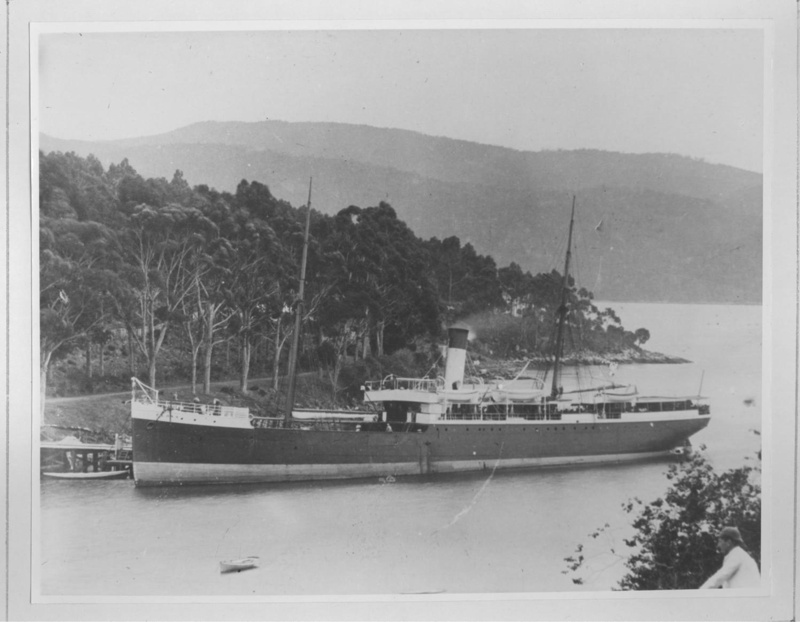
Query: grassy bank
point(100, 417)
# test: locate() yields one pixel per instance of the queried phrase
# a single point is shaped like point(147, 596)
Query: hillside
point(673, 228)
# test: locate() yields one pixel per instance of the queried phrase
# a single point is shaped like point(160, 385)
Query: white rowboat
point(92, 475)
point(237, 565)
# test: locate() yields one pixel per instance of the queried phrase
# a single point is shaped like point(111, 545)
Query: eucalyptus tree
point(73, 286)
point(74, 187)
point(250, 282)
point(205, 313)
point(161, 255)
point(254, 201)
point(76, 206)
point(466, 282)
point(403, 300)
point(381, 285)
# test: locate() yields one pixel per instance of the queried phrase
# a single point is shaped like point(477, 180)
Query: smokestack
point(456, 354)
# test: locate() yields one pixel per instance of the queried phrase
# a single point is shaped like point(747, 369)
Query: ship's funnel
point(456, 355)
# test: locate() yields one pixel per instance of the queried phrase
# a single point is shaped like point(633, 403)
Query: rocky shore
point(628, 356)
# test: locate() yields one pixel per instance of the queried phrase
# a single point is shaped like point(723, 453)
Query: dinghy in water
point(87, 476)
point(237, 565)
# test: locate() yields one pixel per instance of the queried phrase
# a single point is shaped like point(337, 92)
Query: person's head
point(729, 538)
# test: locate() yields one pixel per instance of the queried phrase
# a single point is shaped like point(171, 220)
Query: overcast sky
point(692, 92)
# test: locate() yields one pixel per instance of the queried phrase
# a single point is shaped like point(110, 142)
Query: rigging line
point(470, 365)
point(434, 366)
point(528, 362)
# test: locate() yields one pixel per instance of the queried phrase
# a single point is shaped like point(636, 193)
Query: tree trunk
point(151, 371)
point(207, 367)
point(153, 350)
point(88, 358)
point(209, 346)
point(195, 352)
point(333, 375)
point(381, 327)
point(102, 347)
point(43, 382)
point(245, 372)
point(131, 353)
point(365, 346)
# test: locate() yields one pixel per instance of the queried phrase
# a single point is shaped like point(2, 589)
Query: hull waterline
point(174, 453)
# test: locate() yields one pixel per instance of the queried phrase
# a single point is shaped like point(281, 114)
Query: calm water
point(477, 533)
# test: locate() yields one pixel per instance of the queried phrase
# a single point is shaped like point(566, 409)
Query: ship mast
point(298, 315)
point(562, 308)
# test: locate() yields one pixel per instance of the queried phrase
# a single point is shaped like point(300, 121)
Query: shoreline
point(626, 357)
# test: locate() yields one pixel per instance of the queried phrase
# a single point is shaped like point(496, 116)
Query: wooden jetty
point(72, 456)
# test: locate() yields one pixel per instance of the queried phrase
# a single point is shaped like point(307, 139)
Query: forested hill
point(164, 276)
point(673, 228)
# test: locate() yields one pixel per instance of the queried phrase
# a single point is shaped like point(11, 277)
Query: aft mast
point(298, 315)
point(562, 309)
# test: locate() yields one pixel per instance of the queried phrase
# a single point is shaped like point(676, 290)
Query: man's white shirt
point(738, 570)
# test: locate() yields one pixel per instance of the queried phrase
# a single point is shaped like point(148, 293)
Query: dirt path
point(56, 401)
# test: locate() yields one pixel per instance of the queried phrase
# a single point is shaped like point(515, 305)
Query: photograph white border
point(23, 20)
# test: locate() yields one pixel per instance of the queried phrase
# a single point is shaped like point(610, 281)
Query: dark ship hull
point(418, 426)
point(176, 452)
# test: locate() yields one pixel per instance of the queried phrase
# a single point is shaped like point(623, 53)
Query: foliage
point(403, 363)
point(137, 258)
point(674, 541)
point(466, 282)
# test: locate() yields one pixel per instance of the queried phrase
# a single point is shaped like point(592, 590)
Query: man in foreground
point(738, 568)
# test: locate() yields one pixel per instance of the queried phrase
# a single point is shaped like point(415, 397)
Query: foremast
point(298, 315)
point(562, 310)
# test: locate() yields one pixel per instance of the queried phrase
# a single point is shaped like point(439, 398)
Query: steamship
point(416, 426)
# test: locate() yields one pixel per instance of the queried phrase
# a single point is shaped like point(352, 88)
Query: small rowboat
point(237, 565)
point(85, 476)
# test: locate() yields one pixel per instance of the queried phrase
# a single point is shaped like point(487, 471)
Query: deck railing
point(427, 385)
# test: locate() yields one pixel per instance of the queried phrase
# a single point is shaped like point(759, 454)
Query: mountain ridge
point(675, 228)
